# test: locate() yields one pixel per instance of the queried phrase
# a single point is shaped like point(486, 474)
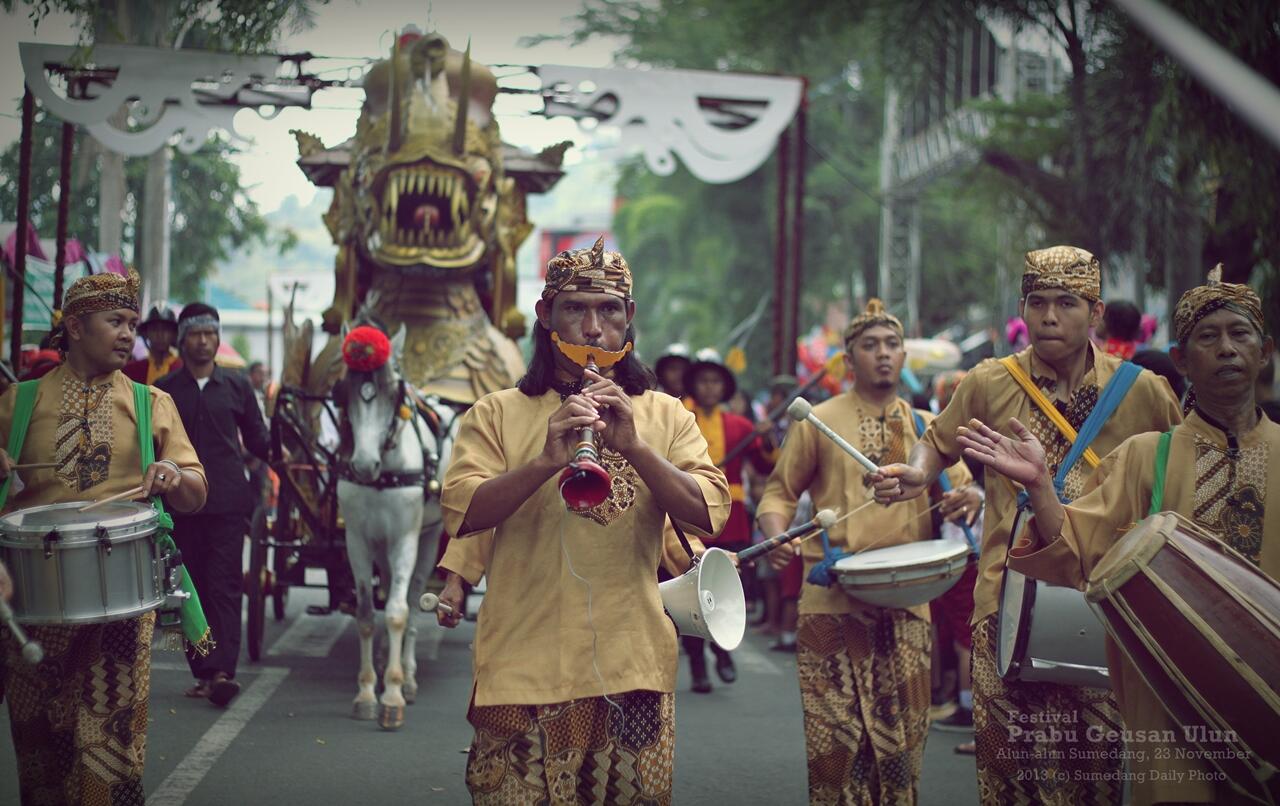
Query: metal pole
point(271, 350)
point(23, 213)
point(1251, 96)
point(780, 306)
point(797, 236)
point(64, 201)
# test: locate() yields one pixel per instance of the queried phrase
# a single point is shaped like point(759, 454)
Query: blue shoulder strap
point(945, 483)
point(1108, 402)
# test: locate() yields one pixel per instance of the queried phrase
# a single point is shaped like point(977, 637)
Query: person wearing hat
point(79, 718)
point(1223, 469)
point(221, 414)
point(575, 658)
point(1061, 301)
point(670, 369)
point(159, 330)
point(863, 670)
point(709, 384)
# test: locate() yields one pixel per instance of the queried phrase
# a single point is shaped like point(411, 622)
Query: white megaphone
point(707, 600)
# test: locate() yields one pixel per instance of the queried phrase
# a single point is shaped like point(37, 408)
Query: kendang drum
point(905, 575)
point(1202, 625)
point(1047, 633)
point(72, 567)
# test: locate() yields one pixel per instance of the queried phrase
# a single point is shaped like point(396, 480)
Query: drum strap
point(23, 406)
point(1162, 463)
point(194, 625)
point(945, 484)
point(1043, 403)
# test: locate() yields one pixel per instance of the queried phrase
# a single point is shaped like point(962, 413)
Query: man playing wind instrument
point(1061, 300)
point(864, 670)
point(1223, 466)
point(79, 718)
point(575, 660)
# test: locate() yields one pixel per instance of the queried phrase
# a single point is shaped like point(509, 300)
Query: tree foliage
point(212, 215)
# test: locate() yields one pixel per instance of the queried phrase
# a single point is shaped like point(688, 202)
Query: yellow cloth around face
point(811, 461)
point(991, 395)
point(117, 467)
point(534, 643)
point(593, 270)
point(1197, 303)
point(1068, 268)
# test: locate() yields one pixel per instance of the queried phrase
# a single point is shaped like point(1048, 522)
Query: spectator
point(159, 330)
point(219, 411)
point(1122, 322)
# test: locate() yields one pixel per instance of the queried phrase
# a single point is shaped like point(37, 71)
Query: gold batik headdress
point(1199, 302)
point(593, 270)
point(1068, 268)
point(874, 314)
point(97, 292)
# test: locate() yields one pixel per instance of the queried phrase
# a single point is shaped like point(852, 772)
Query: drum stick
point(36, 466)
point(777, 412)
point(825, 519)
point(430, 601)
point(134, 493)
point(801, 410)
point(859, 509)
point(31, 651)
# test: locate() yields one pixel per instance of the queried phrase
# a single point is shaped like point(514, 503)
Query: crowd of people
point(574, 686)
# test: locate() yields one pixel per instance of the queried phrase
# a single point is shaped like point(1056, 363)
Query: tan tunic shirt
point(88, 426)
point(534, 640)
point(1120, 495)
point(835, 480)
point(990, 394)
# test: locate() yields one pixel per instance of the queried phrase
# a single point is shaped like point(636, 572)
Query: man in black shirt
point(220, 412)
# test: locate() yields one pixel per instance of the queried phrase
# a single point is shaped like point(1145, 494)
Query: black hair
point(629, 373)
point(1123, 320)
point(254, 365)
point(1161, 364)
point(198, 309)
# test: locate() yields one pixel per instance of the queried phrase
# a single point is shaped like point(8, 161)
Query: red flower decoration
point(366, 349)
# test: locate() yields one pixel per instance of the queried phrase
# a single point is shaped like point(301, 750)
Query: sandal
point(200, 691)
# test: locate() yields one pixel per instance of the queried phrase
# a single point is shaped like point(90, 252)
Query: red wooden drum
point(1202, 625)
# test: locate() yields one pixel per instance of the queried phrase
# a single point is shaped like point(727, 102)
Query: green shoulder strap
point(22, 408)
point(1162, 462)
point(195, 627)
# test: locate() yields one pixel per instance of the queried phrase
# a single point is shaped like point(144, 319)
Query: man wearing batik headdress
point(864, 670)
point(575, 660)
point(1221, 470)
point(79, 718)
point(1061, 301)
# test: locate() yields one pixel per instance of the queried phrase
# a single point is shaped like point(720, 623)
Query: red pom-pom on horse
point(366, 349)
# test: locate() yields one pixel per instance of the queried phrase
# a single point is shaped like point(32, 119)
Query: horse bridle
point(390, 479)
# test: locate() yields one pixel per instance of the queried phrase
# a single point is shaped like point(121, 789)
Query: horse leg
point(365, 705)
point(401, 557)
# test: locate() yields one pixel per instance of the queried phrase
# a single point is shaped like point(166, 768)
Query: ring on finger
point(161, 477)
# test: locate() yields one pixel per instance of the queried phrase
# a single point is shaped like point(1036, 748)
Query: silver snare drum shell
point(905, 575)
point(1047, 633)
point(70, 567)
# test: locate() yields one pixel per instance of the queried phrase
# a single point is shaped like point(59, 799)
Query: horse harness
point(392, 479)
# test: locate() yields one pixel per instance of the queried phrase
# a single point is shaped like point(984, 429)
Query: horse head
point(371, 402)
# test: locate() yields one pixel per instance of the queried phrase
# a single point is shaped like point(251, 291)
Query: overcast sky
point(354, 30)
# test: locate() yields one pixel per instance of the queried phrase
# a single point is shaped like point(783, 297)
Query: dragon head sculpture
point(426, 174)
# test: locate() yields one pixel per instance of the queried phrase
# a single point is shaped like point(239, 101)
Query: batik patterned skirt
point(864, 685)
point(581, 751)
point(79, 718)
point(1042, 743)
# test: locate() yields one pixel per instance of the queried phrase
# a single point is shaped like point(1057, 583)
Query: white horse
point(382, 498)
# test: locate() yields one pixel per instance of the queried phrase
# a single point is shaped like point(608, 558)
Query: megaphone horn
point(707, 600)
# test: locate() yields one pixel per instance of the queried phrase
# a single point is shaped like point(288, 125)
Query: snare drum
point(1047, 633)
point(1202, 626)
point(905, 575)
point(72, 567)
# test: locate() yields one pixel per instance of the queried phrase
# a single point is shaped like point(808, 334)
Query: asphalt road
point(289, 739)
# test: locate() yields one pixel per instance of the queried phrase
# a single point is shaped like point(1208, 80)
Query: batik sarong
point(864, 685)
point(79, 718)
point(581, 751)
point(1042, 743)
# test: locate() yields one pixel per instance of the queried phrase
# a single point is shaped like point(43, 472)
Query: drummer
point(73, 748)
point(1061, 301)
point(1222, 461)
point(864, 671)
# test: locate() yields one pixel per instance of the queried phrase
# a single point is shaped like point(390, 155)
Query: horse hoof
point(410, 695)
point(364, 711)
point(391, 717)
